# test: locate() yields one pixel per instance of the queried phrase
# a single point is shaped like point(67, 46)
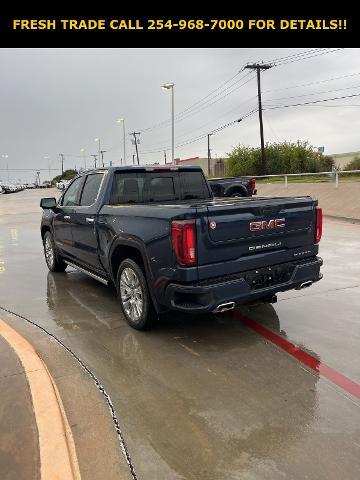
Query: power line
point(313, 93)
point(185, 114)
point(311, 83)
point(306, 57)
point(201, 136)
point(314, 101)
point(296, 55)
point(166, 122)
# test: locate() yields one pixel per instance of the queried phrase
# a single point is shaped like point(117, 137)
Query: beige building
point(342, 159)
point(217, 165)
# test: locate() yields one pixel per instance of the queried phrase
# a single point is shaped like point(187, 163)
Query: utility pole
point(102, 156)
point(62, 156)
point(209, 152)
point(95, 157)
point(258, 67)
point(135, 142)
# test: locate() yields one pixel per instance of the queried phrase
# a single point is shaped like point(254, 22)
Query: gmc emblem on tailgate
point(267, 224)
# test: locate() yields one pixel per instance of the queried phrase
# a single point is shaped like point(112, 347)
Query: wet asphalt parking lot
point(210, 397)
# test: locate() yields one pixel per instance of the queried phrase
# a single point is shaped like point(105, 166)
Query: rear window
point(158, 187)
point(162, 189)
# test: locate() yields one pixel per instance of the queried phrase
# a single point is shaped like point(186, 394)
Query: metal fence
point(333, 175)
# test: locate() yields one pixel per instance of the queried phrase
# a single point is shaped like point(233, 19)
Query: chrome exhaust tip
point(224, 307)
point(305, 285)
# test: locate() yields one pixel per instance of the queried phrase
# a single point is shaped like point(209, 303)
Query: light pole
point(47, 157)
point(209, 152)
point(6, 156)
point(82, 150)
point(99, 150)
point(122, 120)
point(170, 86)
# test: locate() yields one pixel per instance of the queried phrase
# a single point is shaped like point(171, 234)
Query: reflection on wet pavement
point(204, 397)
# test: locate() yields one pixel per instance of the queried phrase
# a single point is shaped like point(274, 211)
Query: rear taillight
point(184, 242)
point(253, 184)
point(318, 231)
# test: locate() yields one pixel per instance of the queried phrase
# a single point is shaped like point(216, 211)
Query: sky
point(56, 101)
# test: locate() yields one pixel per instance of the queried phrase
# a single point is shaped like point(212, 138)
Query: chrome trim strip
point(92, 275)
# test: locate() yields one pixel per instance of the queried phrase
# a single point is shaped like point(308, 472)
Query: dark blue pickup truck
point(161, 238)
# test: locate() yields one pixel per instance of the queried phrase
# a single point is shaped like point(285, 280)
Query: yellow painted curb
point(58, 460)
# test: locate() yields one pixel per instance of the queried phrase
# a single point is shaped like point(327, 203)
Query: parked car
point(1, 190)
point(157, 234)
point(9, 188)
point(62, 184)
point(233, 186)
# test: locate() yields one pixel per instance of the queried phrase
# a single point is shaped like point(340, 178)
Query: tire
point(237, 195)
point(134, 297)
point(52, 258)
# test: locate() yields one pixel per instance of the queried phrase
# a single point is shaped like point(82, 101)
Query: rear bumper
point(245, 287)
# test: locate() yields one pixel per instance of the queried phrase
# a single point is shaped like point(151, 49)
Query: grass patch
point(310, 179)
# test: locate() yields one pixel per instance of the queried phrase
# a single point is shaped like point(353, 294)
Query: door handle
point(66, 217)
point(90, 220)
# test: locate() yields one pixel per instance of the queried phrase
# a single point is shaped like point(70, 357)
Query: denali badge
point(264, 245)
point(267, 224)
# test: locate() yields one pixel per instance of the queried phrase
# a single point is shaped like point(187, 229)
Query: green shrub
point(354, 164)
point(68, 175)
point(285, 157)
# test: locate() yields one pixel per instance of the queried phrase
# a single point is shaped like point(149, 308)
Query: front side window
point(71, 195)
point(91, 189)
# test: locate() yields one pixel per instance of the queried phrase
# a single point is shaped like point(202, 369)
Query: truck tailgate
point(251, 233)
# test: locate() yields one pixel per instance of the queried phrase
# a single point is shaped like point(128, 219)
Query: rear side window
point(91, 189)
point(193, 186)
point(128, 188)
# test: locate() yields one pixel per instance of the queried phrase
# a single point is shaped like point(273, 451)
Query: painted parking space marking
point(295, 351)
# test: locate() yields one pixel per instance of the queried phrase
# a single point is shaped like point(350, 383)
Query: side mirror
point(48, 202)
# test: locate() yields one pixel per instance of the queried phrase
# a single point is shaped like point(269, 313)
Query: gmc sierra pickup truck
point(158, 235)
point(233, 186)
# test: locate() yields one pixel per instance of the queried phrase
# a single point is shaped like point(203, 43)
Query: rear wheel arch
point(237, 189)
point(134, 250)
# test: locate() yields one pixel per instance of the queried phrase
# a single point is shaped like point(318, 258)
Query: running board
point(92, 275)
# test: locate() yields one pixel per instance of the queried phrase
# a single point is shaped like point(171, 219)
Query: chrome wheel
point(49, 252)
point(131, 294)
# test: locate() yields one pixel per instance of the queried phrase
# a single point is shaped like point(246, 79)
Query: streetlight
point(98, 141)
point(7, 165)
point(170, 86)
point(122, 120)
point(82, 150)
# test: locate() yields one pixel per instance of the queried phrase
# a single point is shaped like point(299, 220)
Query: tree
point(68, 175)
point(285, 157)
